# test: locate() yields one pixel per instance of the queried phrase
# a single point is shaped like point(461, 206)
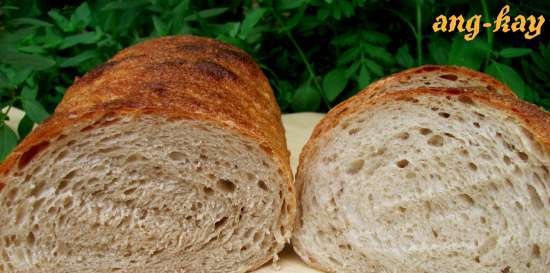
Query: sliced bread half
point(427, 181)
point(170, 157)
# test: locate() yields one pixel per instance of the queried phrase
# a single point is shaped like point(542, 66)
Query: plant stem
point(418, 33)
point(490, 35)
point(306, 62)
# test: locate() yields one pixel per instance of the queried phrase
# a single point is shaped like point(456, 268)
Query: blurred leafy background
point(316, 53)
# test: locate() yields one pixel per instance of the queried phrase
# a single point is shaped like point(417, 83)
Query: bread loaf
point(427, 180)
point(433, 76)
point(170, 157)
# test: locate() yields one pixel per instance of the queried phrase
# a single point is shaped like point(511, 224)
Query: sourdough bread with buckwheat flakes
point(427, 180)
point(170, 157)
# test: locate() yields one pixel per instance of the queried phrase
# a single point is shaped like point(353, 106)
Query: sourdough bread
point(170, 157)
point(427, 181)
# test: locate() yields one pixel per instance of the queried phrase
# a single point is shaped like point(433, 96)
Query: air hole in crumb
point(207, 190)
point(507, 160)
point(482, 220)
point(38, 189)
point(402, 163)
point(355, 166)
point(536, 201)
point(129, 191)
point(476, 259)
point(523, 156)
point(425, 131)
point(436, 141)
point(220, 222)
point(410, 175)
point(464, 152)
point(536, 251)
point(226, 185)
point(467, 198)
point(262, 185)
point(472, 166)
point(257, 236)
point(353, 131)
point(402, 209)
point(449, 77)
point(404, 136)
point(476, 124)
point(487, 246)
point(176, 156)
point(30, 238)
point(444, 115)
point(465, 99)
point(435, 234)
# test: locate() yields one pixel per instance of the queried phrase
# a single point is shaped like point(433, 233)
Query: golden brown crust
point(452, 73)
point(179, 77)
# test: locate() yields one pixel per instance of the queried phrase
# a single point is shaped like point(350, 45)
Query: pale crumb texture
point(430, 185)
point(144, 195)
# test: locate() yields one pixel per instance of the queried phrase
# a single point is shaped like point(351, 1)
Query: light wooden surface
point(298, 129)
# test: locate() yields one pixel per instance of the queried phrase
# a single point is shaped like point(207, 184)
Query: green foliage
point(316, 53)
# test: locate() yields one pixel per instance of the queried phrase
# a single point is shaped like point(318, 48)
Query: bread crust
point(177, 77)
point(535, 119)
point(404, 76)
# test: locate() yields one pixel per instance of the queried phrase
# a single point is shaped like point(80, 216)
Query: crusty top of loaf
point(452, 76)
point(535, 119)
point(177, 77)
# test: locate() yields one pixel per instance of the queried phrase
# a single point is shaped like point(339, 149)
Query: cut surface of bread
point(427, 181)
point(148, 165)
point(434, 76)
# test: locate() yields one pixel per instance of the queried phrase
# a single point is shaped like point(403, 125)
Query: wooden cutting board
point(298, 128)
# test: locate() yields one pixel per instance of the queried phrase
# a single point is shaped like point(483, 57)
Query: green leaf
point(403, 56)
point(306, 98)
point(513, 52)
point(439, 50)
point(29, 21)
point(124, 5)
point(61, 21)
point(251, 19)
point(334, 83)
point(8, 140)
point(82, 38)
point(349, 55)
point(160, 27)
point(363, 79)
point(289, 4)
point(509, 76)
point(375, 37)
point(25, 126)
point(78, 59)
point(23, 60)
point(35, 110)
point(375, 68)
point(207, 13)
point(29, 92)
point(82, 16)
point(469, 54)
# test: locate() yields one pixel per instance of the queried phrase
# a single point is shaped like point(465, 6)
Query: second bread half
point(427, 180)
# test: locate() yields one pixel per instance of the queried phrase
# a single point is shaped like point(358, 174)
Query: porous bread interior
point(436, 78)
point(427, 185)
point(144, 195)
